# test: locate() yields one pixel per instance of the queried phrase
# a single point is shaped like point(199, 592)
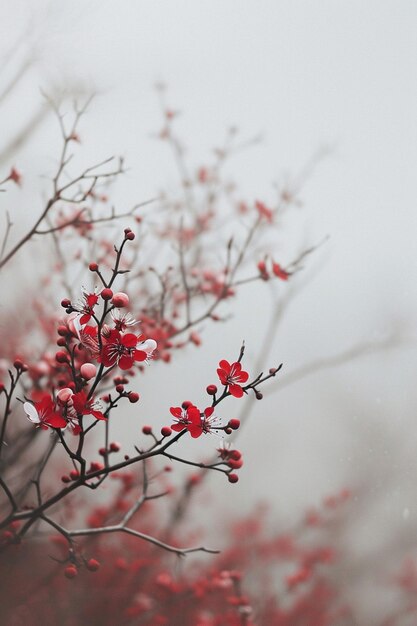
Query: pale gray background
point(303, 74)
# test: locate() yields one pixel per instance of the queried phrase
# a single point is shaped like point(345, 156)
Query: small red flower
point(264, 211)
point(85, 406)
point(15, 176)
point(279, 271)
point(87, 308)
point(121, 350)
point(188, 418)
point(195, 422)
point(44, 414)
point(231, 374)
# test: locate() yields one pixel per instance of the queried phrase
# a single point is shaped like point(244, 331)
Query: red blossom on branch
point(231, 375)
point(121, 350)
point(44, 414)
point(90, 300)
point(85, 406)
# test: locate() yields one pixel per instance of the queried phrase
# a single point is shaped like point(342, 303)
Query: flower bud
point(106, 294)
point(120, 300)
point(166, 431)
point(233, 478)
point(92, 565)
point(61, 356)
point(70, 571)
point(64, 395)
point(88, 370)
point(235, 464)
point(147, 430)
point(133, 396)
point(234, 424)
point(211, 390)
point(93, 267)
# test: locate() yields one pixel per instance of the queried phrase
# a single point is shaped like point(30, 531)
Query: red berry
point(107, 294)
point(93, 267)
point(70, 571)
point(234, 424)
point(133, 397)
point(92, 565)
point(233, 478)
point(166, 431)
point(211, 390)
point(147, 430)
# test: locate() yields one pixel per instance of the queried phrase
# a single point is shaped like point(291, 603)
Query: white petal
point(31, 412)
point(148, 346)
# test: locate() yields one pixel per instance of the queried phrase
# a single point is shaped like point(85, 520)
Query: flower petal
point(126, 362)
point(129, 340)
point(236, 391)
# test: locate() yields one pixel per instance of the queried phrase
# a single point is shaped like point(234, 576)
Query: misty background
point(303, 76)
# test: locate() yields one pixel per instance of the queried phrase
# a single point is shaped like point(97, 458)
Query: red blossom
point(121, 350)
point(85, 406)
point(264, 211)
point(231, 374)
point(279, 271)
point(194, 421)
point(15, 176)
point(44, 414)
point(187, 418)
point(89, 302)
